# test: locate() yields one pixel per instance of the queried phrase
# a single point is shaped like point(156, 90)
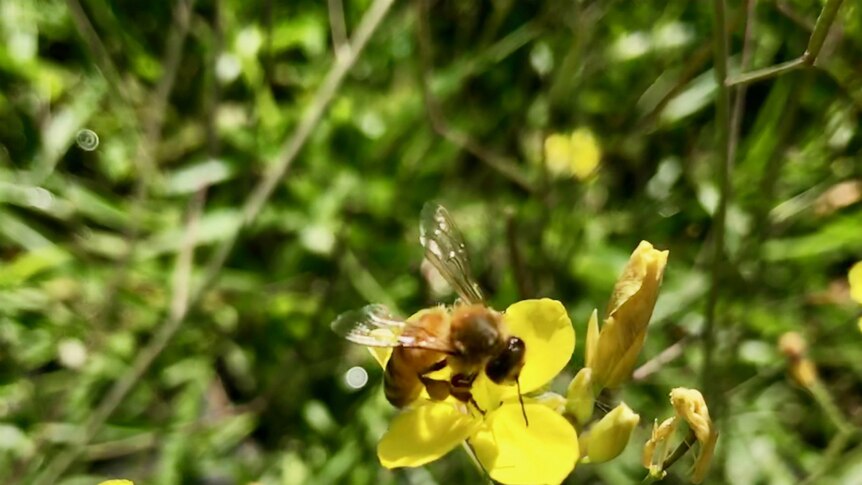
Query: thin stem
point(830, 456)
point(144, 359)
point(821, 30)
point(739, 100)
point(516, 259)
point(807, 59)
point(664, 357)
point(680, 450)
point(824, 399)
point(502, 164)
point(722, 122)
point(338, 28)
point(767, 72)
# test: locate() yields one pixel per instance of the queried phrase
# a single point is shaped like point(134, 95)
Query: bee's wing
point(375, 326)
point(445, 248)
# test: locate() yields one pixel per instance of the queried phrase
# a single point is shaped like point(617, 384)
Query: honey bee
point(469, 337)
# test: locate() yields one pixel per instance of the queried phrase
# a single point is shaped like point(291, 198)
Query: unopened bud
point(579, 397)
point(609, 437)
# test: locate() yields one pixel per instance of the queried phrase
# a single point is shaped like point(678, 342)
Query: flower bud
point(609, 437)
point(624, 331)
point(690, 406)
point(579, 397)
point(800, 367)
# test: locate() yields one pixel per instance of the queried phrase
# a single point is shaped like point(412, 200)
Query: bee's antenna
point(521, 400)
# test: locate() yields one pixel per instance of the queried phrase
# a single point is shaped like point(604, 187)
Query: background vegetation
point(165, 296)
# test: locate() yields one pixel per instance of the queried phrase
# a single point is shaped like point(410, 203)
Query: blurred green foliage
point(192, 100)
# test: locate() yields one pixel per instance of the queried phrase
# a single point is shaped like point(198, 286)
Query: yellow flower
point(609, 437)
point(690, 406)
point(545, 451)
point(613, 351)
point(575, 155)
point(855, 278)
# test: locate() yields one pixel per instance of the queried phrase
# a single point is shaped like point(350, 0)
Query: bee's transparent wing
point(375, 326)
point(445, 248)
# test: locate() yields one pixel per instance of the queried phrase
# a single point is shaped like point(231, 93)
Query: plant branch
point(500, 163)
point(251, 210)
point(722, 122)
point(664, 357)
point(338, 28)
point(516, 259)
point(807, 59)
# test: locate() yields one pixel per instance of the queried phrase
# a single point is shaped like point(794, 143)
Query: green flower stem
point(815, 44)
point(722, 127)
point(824, 399)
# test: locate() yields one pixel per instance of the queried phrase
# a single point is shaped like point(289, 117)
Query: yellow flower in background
point(574, 155)
point(854, 276)
point(511, 451)
point(613, 351)
point(800, 367)
point(690, 406)
point(609, 437)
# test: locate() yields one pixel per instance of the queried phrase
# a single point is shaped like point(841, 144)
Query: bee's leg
point(437, 390)
point(461, 385)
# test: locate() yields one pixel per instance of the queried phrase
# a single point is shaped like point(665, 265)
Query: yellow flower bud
point(592, 339)
point(801, 368)
point(690, 406)
point(657, 448)
point(609, 437)
point(624, 331)
point(580, 398)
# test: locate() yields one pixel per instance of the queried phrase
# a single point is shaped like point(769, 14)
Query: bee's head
point(507, 364)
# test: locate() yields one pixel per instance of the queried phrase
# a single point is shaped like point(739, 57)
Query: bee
point(469, 337)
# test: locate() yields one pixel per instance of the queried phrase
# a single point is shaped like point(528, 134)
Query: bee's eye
point(507, 364)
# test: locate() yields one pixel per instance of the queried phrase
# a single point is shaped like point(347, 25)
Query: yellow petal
point(543, 452)
point(425, 433)
point(859, 324)
point(855, 278)
point(592, 338)
point(630, 309)
point(690, 406)
point(548, 336)
point(586, 153)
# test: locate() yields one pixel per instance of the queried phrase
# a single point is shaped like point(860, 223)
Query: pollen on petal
point(424, 433)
